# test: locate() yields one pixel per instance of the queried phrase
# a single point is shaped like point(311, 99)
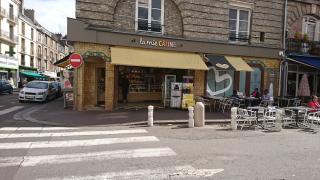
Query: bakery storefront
point(165, 72)
point(144, 75)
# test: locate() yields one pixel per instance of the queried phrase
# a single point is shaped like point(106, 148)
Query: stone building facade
point(249, 29)
point(303, 47)
point(205, 19)
point(9, 62)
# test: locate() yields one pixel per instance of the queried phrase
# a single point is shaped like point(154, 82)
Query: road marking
point(9, 110)
point(154, 174)
point(67, 134)
point(79, 157)
point(75, 143)
point(36, 128)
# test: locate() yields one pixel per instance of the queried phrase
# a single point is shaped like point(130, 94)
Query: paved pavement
point(53, 113)
point(162, 152)
point(31, 150)
point(90, 153)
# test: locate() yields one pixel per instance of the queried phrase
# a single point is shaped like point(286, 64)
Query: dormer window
point(149, 15)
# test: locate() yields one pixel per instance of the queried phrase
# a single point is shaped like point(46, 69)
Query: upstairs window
point(149, 15)
point(239, 22)
point(310, 26)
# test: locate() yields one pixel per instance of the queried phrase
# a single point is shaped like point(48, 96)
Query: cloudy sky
point(52, 14)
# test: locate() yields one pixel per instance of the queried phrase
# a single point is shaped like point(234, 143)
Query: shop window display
point(223, 86)
point(148, 84)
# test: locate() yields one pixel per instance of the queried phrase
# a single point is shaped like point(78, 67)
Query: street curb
point(169, 122)
point(28, 117)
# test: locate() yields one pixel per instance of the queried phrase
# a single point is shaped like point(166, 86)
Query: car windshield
point(37, 85)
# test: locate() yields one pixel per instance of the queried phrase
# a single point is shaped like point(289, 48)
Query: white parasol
point(271, 91)
point(304, 88)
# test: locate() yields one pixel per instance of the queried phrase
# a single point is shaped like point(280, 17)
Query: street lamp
point(283, 55)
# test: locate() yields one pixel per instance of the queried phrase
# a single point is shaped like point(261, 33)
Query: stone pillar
point(199, 115)
point(278, 123)
point(150, 116)
point(199, 83)
point(191, 116)
point(234, 112)
point(79, 88)
point(109, 96)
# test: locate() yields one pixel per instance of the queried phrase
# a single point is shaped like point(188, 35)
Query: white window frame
point(238, 22)
point(305, 21)
point(150, 16)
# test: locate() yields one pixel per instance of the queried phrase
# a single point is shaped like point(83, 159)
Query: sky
point(52, 14)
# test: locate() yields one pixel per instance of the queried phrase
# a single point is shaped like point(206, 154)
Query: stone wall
point(199, 83)
point(267, 17)
point(85, 86)
point(200, 20)
point(296, 11)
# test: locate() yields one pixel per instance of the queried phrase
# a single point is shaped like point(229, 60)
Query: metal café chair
point(269, 117)
point(313, 118)
point(205, 101)
point(226, 104)
point(288, 117)
point(296, 102)
point(245, 117)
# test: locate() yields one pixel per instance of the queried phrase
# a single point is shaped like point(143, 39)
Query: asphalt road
point(32, 151)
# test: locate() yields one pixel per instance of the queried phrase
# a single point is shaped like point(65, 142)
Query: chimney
point(29, 13)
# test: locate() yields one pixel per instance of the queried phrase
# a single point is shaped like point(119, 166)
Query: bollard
point(191, 120)
point(278, 123)
point(234, 112)
point(150, 116)
point(199, 115)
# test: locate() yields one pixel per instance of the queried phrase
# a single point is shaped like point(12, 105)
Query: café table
point(297, 110)
point(250, 100)
point(287, 100)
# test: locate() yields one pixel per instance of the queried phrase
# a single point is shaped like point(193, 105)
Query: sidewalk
point(54, 112)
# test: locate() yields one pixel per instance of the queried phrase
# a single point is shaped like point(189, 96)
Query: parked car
point(39, 91)
point(57, 86)
point(5, 87)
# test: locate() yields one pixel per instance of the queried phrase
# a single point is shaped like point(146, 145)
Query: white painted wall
point(5, 25)
point(27, 37)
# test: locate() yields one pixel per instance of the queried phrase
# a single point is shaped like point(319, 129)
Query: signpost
point(76, 60)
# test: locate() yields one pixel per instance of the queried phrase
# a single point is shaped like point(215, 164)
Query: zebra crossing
point(59, 148)
point(10, 109)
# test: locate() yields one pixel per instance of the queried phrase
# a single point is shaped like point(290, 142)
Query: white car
point(39, 91)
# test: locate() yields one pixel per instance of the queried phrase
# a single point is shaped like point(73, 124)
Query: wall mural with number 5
point(219, 78)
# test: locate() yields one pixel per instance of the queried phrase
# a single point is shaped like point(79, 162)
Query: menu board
point(187, 95)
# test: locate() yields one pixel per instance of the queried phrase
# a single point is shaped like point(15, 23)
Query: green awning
point(31, 74)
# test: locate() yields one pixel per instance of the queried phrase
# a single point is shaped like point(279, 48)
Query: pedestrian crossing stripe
point(90, 156)
point(11, 109)
point(67, 134)
point(186, 171)
point(76, 143)
point(36, 128)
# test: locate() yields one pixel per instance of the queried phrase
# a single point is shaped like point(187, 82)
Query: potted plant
point(298, 36)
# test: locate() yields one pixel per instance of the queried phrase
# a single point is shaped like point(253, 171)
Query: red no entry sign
point(76, 60)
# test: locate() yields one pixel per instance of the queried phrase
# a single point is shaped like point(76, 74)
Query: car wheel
point(11, 91)
point(47, 99)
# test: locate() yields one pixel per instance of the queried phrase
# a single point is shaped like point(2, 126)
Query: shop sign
point(76, 60)
point(158, 43)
